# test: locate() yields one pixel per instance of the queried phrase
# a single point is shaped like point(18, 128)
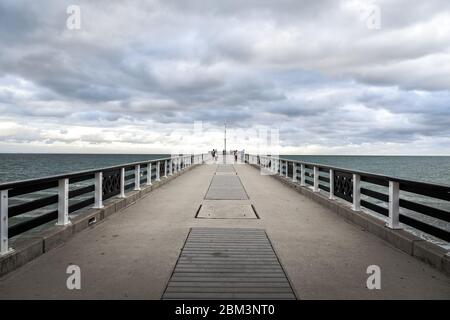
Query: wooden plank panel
point(222, 263)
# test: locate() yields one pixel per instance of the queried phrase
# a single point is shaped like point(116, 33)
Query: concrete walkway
point(132, 253)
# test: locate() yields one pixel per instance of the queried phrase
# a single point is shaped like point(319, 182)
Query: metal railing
point(33, 203)
point(363, 189)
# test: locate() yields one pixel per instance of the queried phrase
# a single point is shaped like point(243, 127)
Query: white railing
point(107, 182)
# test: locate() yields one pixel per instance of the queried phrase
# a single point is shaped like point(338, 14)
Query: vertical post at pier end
point(4, 246)
point(356, 192)
point(63, 202)
point(171, 167)
point(394, 205)
point(332, 184)
point(316, 179)
point(98, 190)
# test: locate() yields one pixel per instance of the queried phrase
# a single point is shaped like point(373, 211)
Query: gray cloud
point(311, 68)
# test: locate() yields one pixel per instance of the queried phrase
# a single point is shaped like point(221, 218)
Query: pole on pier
point(394, 205)
point(316, 179)
point(356, 192)
point(98, 190)
point(4, 247)
point(331, 184)
point(137, 177)
point(122, 183)
point(294, 172)
point(149, 174)
point(158, 170)
point(302, 175)
point(225, 139)
point(63, 202)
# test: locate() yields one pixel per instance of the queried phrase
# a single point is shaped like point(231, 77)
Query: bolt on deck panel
point(228, 263)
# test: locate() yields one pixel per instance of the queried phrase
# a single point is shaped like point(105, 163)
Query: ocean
point(15, 167)
point(21, 166)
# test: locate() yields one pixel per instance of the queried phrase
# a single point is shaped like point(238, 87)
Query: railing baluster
point(331, 184)
point(149, 174)
point(394, 205)
point(294, 171)
point(63, 202)
point(171, 167)
point(286, 166)
point(302, 175)
point(158, 170)
point(165, 169)
point(356, 192)
point(98, 190)
point(122, 183)
point(137, 177)
point(316, 179)
point(4, 246)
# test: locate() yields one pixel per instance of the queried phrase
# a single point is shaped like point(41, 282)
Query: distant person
point(235, 156)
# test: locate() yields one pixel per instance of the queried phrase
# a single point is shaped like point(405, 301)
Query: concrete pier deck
point(132, 254)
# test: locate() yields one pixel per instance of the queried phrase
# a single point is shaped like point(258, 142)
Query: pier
point(191, 227)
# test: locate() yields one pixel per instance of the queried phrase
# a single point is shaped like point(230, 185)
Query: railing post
point(302, 175)
point(394, 205)
point(280, 167)
point(158, 170)
point(294, 172)
point(165, 168)
point(98, 190)
point(63, 202)
point(137, 177)
point(331, 184)
point(286, 165)
point(149, 174)
point(4, 246)
point(316, 179)
point(356, 192)
point(171, 167)
point(122, 183)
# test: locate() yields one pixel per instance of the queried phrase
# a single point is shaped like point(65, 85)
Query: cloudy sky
point(334, 77)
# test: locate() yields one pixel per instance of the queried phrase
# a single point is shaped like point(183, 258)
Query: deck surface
point(132, 254)
point(228, 263)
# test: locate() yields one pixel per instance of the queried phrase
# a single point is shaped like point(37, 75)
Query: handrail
point(108, 182)
point(19, 183)
point(346, 184)
point(360, 172)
